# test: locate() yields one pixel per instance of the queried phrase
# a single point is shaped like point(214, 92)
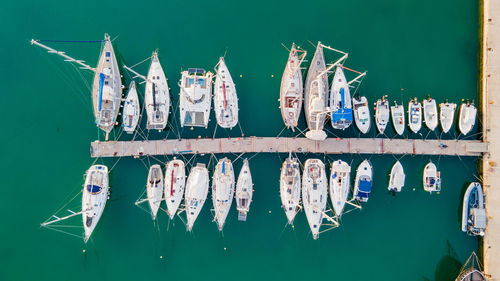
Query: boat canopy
point(342, 114)
point(94, 189)
point(365, 185)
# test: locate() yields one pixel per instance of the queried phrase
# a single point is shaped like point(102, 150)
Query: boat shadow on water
point(448, 267)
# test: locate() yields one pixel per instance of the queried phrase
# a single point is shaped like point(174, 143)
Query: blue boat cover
point(342, 99)
point(342, 114)
point(94, 189)
point(223, 168)
point(365, 186)
point(101, 84)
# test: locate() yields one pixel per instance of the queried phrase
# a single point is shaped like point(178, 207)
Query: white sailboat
point(131, 110)
point(292, 88)
point(446, 115)
point(94, 197)
point(397, 178)
point(244, 191)
point(432, 178)
point(314, 193)
point(154, 189)
point(467, 117)
point(340, 183)
point(414, 115)
point(398, 118)
point(175, 182)
point(196, 193)
point(225, 97)
point(363, 182)
point(430, 113)
point(361, 114)
point(290, 187)
point(340, 101)
point(222, 190)
point(157, 96)
point(195, 97)
point(382, 114)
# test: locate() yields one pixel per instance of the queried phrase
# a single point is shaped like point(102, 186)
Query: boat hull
point(398, 118)
point(244, 191)
point(131, 110)
point(361, 113)
point(291, 90)
point(175, 183)
point(446, 116)
point(339, 185)
point(381, 115)
point(94, 197)
point(363, 181)
point(154, 188)
point(290, 187)
point(397, 178)
point(430, 114)
point(431, 178)
point(340, 101)
point(157, 96)
point(225, 97)
point(222, 190)
point(415, 116)
point(467, 118)
point(196, 193)
point(195, 98)
point(314, 193)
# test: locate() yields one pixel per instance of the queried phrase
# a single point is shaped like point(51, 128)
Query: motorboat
point(473, 210)
point(340, 183)
point(196, 193)
point(382, 114)
point(430, 113)
point(157, 96)
point(340, 101)
point(94, 196)
point(225, 97)
point(292, 88)
point(131, 110)
point(397, 178)
point(467, 117)
point(195, 97)
point(154, 188)
point(290, 187)
point(361, 114)
point(222, 190)
point(432, 178)
point(414, 115)
point(175, 183)
point(398, 118)
point(314, 193)
point(244, 191)
point(363, 182)
point(446, 115)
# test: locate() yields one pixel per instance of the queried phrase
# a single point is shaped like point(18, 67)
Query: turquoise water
point(419, 46)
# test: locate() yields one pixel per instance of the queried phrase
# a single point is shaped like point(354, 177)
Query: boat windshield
point(94, 189)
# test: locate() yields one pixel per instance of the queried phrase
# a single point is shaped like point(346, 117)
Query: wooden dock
point(285, 145)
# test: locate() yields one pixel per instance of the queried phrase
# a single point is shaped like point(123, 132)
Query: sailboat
point(292, 88)
point(340, 183)
point(432, 178)
point(290, 187)
point(157, 96)
point(195, 97)
point(430, 113)
point(361, 113)
point(94, 197)
point(473, 210)
point(469, 272)
point(131, 110)
point(154, 189)
point(314, 194)
point(398, 118)
point(397, 178)
point(244, 191)
point(222, 190)
point(340, 101)
point(196, 193)
point(382, 114)
point(175, 182)
point(467, 117)
point(414, 115)
point(446, 115)
point(225, 97)
point(363, 182)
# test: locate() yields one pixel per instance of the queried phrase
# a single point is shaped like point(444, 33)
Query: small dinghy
point(398, 118)
point(382, 114)
point(222, 190)
point(292, 88)
point(244, 191)
point(154, 189)
point(175, 182)
point(446, 115)
point(339, 185)
point(340, 101)
point(432, 178)
point(361, 114)
point(415, 115)
point(290, 187)
point(94, 197)
point(131, 110)
point(225, 97)
point(430, 113)
point(314, 194)
point(473, 212)
point(363, 182)
point(467, 117)
point(397, 179)
point(195, 97)
point(157, 96)
point(196, 193)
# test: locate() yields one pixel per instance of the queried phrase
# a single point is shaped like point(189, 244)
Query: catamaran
point(415, 115)
point(225, 97)
point(432, 178)
point(244, 191)
point(292, 88)
point(340, 183)
point(398, 118)
point(340, 101)
point(361, 113)
point(363, 182)
point(290, 187)
point(157, 97)
point(397, 178)
point(473, 211)
point(314, 194)
point(430, 113)
point(154, 189)
point(382, 114)
point(195, 97)
point(131, 110)
point(175, 182)
point(467, 117)
point(94, 197)
point(446, 115)
point(196, 193)
point(222, 190)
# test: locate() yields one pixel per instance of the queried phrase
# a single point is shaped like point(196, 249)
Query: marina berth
point(430, 113)
point(175, 183)
point(340, 183)
point(361, 114)
point(414, 115)
point(314, 194)
point(382, 114)
point(222, 190)
point(446, 115)
point(473, 210)
point(131, 110)
point(196, 193)
point(397, 178)
point(290, 187)
point(154, 188)
point(292, 88)
point(432, 178)
point(244, 191)
point(225, 97)
point(195, 97)
point(467, 117)
point(157, 96)
point(398, 118)
point(340, 101)
point(363, 182)
point(94, 196)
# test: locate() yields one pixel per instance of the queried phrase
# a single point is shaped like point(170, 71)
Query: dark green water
point(420, 46)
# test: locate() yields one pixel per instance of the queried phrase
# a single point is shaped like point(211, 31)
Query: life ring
point(290, 114)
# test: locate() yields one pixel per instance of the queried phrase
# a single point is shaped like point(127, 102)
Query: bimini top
point(364, 188)
point(192, 71)
point(94, 189)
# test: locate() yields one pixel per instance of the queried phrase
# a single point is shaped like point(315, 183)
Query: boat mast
point(136, 74)
point(344, 57)
point(63, 218)
point(63, 54)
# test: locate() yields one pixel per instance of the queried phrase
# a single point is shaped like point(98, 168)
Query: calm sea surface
point(409, 48)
